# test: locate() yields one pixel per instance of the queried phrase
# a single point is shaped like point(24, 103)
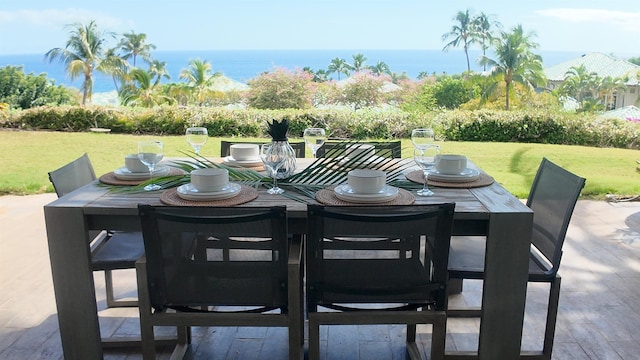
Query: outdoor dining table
point(488, 210)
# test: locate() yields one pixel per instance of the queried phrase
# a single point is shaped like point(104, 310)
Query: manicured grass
point(28, 156)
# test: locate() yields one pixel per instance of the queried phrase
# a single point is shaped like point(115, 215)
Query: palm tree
point(117, 67)
point(339, 66)
point(380, 68)
point(358, 62)
point(482, 32)
point(318, 76)
point(158, 69)
point(580, 83)
point(143, 91)
point(461, 33)
point(199, 76)
point(515, 61)
point(82, 55)
point(134, 45)
point(608, 87)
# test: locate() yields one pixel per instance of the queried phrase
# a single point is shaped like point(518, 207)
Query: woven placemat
point(247, 193)
point(111, 179)
point(483, 180)
point(328, 197)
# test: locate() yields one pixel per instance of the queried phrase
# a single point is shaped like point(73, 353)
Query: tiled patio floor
point(599, 315)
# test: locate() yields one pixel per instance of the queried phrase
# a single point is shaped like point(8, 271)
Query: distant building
point(603, 65)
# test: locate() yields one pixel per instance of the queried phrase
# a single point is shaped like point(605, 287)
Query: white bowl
point(450, 164)
point(364, 181)
point(244, 151)
point(210, 179)
point(132, 163)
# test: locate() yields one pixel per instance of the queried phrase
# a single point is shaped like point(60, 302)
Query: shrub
point(281, 89)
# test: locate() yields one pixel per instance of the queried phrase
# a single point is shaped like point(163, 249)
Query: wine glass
point(272, 161)
point(150, 153)
point(427, 158)
point(197, 137)
point(314, 138)
point(422, 138)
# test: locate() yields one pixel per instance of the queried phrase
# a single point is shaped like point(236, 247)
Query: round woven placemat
point(247, 193)
point(483, 180)
point(111, 179)
point(328, 197)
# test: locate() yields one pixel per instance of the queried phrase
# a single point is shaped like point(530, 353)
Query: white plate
point(345, 192)
point(189, 192)
point(124, 174)
point(466, 176)
point(251, 162)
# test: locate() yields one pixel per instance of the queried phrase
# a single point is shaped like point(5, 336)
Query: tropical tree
point(609, 86)
point(158, 69)
point(358, 62)
point(339, 66)
point(199, 76)
point(461, 33)
point(483, 32)
point(380, 68)
point(133, 45)
point(82, 54)
point(281, 89)
point(319, 76)
point(117, 67)
point(143, 91)
point(580, 83)
point(515, 62)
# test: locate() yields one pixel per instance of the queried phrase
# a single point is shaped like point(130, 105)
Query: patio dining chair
point(218, 266)
point(552, 198)
point(225, 147)
point(110, 250)
point(386, 149)
point(378, 265)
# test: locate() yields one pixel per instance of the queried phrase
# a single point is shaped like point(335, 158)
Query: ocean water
point(242, 65)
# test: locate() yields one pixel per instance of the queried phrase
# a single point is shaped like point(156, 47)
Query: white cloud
point(627, 21)
point(57, 19)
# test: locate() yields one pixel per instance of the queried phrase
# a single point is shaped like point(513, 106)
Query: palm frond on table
point(323, 172)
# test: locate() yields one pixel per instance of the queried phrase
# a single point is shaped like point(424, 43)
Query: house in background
point(603, 65)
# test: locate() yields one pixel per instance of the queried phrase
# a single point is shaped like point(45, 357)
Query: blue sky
point(35, 26)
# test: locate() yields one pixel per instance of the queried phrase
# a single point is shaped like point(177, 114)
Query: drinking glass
point(272, 160)
point(426, 158)
point(197, 137)
point(150, 153)
point(422, 138)
point(314, 138)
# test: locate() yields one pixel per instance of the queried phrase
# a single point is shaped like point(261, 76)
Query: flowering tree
point(281, 89)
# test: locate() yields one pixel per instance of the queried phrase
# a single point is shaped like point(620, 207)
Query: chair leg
point(552, 315)
point(111, 301)
point(314, 338)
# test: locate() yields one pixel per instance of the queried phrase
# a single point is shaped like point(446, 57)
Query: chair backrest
point(73, 175)
point(552, 198)
point(225, 147)
point(208, 256)
point(378, 254)
point(386, 149)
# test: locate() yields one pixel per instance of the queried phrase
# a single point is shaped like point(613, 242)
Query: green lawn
point(28, 156)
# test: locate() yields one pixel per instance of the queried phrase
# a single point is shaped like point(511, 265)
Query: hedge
point(534, 126)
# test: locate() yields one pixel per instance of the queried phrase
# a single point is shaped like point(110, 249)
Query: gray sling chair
point(552, 198)
point(378, 265)
point(109, 250)
point(218, 266)
point(225, 147)
point(386, 149)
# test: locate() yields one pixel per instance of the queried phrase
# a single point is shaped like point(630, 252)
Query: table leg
point(505, 285)
point(73, 283)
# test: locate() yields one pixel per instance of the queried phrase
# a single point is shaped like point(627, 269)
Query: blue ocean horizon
point(243, 65)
